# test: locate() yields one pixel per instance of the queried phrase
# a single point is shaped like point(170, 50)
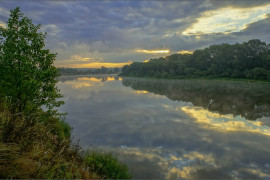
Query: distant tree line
point(249, 60)
point(87, 71)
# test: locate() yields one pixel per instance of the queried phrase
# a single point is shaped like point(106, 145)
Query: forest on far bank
point(248, 60)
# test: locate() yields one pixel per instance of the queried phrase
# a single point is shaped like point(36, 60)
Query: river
point(173, 129)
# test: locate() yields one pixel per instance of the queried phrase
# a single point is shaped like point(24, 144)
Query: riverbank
point(40, 146)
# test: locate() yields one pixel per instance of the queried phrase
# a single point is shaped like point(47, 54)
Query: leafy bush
point(260, 73)
point(106, 165)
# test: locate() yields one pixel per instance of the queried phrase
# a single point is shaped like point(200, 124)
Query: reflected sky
point(160, 130)
point(225, 122)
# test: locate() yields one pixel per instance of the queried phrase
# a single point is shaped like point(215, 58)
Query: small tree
point(28, 76)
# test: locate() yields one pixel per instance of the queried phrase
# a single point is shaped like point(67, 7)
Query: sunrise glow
point(185, 52)
point(162, 51)
point(96, 65)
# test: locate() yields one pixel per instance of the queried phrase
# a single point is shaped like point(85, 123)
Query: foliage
point(28, 76)
point(249, 60)
point(106, 165)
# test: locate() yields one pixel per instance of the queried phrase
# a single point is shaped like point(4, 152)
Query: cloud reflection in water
point(167, 130)
point(225, 122)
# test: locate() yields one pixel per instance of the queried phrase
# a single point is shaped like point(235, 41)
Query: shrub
point(260, 73)
point(106, 165)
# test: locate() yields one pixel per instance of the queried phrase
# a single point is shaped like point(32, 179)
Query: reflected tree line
point(102, 78)
point(250, 100)
point(87, 71)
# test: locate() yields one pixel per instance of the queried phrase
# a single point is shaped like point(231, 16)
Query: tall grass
point(39, 146)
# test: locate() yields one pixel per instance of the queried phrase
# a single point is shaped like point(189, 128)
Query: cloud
point(84, 83)
point(226, 20)
point(96, 65)
point(86, 59)
point(111, 30)
point(162, 51)
point(257, 29)
point(225, 122)
point(2, 24)
point(4, 14)
point(185, 52)
point(51, 29)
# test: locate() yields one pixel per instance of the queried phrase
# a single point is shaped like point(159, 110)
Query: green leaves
point(27, 73)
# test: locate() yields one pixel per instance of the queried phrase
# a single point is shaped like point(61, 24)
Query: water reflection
point(159, 163)
point(202, 134)
point(226, 122)
point(250, 100)
point(92, 78)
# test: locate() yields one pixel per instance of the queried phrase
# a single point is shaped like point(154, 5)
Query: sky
point(91, 34)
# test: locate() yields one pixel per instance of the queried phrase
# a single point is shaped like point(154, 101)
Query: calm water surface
point(173, 129)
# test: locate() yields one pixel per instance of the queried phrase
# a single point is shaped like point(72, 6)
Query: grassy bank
point(39, 146)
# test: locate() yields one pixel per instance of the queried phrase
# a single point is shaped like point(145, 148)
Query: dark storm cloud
point(113, 30)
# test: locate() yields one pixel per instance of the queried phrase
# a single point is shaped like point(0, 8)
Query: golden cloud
point(167, 163)
point(141, 92)
point(225, 122)
point(257, 172)
point(147, 60)
point(226, 20)
point(161, 51)
point(2, 24)
point(88, 82)
point(96, 65)
point(185, 52)
point(84, 82)
point(80, 58)
point(187, 171)
point(88, 79)
point(77, 60)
